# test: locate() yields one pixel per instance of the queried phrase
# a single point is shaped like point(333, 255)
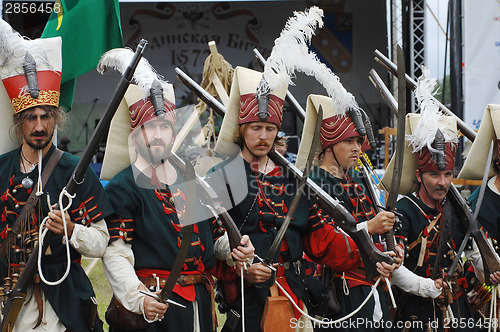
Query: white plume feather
point(431, 117)
point(13, 48)
point(10, 40)
point(291, 53)
point(119, 58)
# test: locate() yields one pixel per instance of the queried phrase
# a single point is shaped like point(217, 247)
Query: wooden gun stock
point(209, 196)
point(26, 278)
point(369, 252)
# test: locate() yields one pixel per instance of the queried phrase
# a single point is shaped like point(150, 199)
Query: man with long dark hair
point(37, 172)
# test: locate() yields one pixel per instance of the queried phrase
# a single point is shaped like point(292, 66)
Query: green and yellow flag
point(88, 28)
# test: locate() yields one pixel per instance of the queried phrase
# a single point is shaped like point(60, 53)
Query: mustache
point(157, 142)
point(441, 188)
point(264, 143)
point(39, 133)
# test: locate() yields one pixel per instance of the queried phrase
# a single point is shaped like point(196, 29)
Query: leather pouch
point(119, 317)
point(277, 313)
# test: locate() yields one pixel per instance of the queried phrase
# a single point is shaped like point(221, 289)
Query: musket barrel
point(26, 277)
point(384, 91)
point(103, 125)
point(464, 128)
point(344, 219)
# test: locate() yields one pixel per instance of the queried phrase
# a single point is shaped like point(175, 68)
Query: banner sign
point(481, 58)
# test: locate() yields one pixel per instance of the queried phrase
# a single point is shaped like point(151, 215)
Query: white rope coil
point(43, 231)
point(327, 321)
point(150, 321)
point(391, 295)
point(493, 309)
point(242, 298)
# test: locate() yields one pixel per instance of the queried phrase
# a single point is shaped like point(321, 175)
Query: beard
point(155, 152)
point(39, 144)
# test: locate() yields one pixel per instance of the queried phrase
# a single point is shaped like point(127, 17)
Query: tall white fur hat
point(120, 150)
point(489, 131)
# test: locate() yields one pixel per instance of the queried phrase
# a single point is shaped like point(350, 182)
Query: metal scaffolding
point(407, 29)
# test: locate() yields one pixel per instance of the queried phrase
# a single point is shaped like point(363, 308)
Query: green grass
point(101, 288)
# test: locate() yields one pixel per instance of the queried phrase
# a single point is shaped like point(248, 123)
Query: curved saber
point(369, 252)
point(302, 184)
point(400, 144)
point(476, 212)
point(189, 216)
point(275, 246)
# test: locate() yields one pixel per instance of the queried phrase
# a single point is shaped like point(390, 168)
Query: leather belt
point(183, 280)
point(357, 275)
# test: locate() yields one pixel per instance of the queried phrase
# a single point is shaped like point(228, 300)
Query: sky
point(435, 39)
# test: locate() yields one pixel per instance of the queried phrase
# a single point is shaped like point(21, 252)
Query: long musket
point(491, 261)
point(209, 196)
point(15, 299)
point(301, 114)
point(276, 245)
point(369, 252)
point(473, 226)
point(389, 65)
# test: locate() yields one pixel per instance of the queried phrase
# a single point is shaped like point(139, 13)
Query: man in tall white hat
point(31, 75)
point(149, 197)
point(343, 139)
point(473, 169)
point(430, 227)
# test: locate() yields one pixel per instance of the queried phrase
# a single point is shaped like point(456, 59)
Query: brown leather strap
point(209, 282)
point(16, 227)
point(429, 228)
point(38, 297)
point(183, 280)
point(274, 290)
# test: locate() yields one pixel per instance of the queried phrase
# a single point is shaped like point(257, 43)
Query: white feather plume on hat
point(9, 41)
point(291, 52)
point(119, 58)
point(431, 117)
point(13, 48)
